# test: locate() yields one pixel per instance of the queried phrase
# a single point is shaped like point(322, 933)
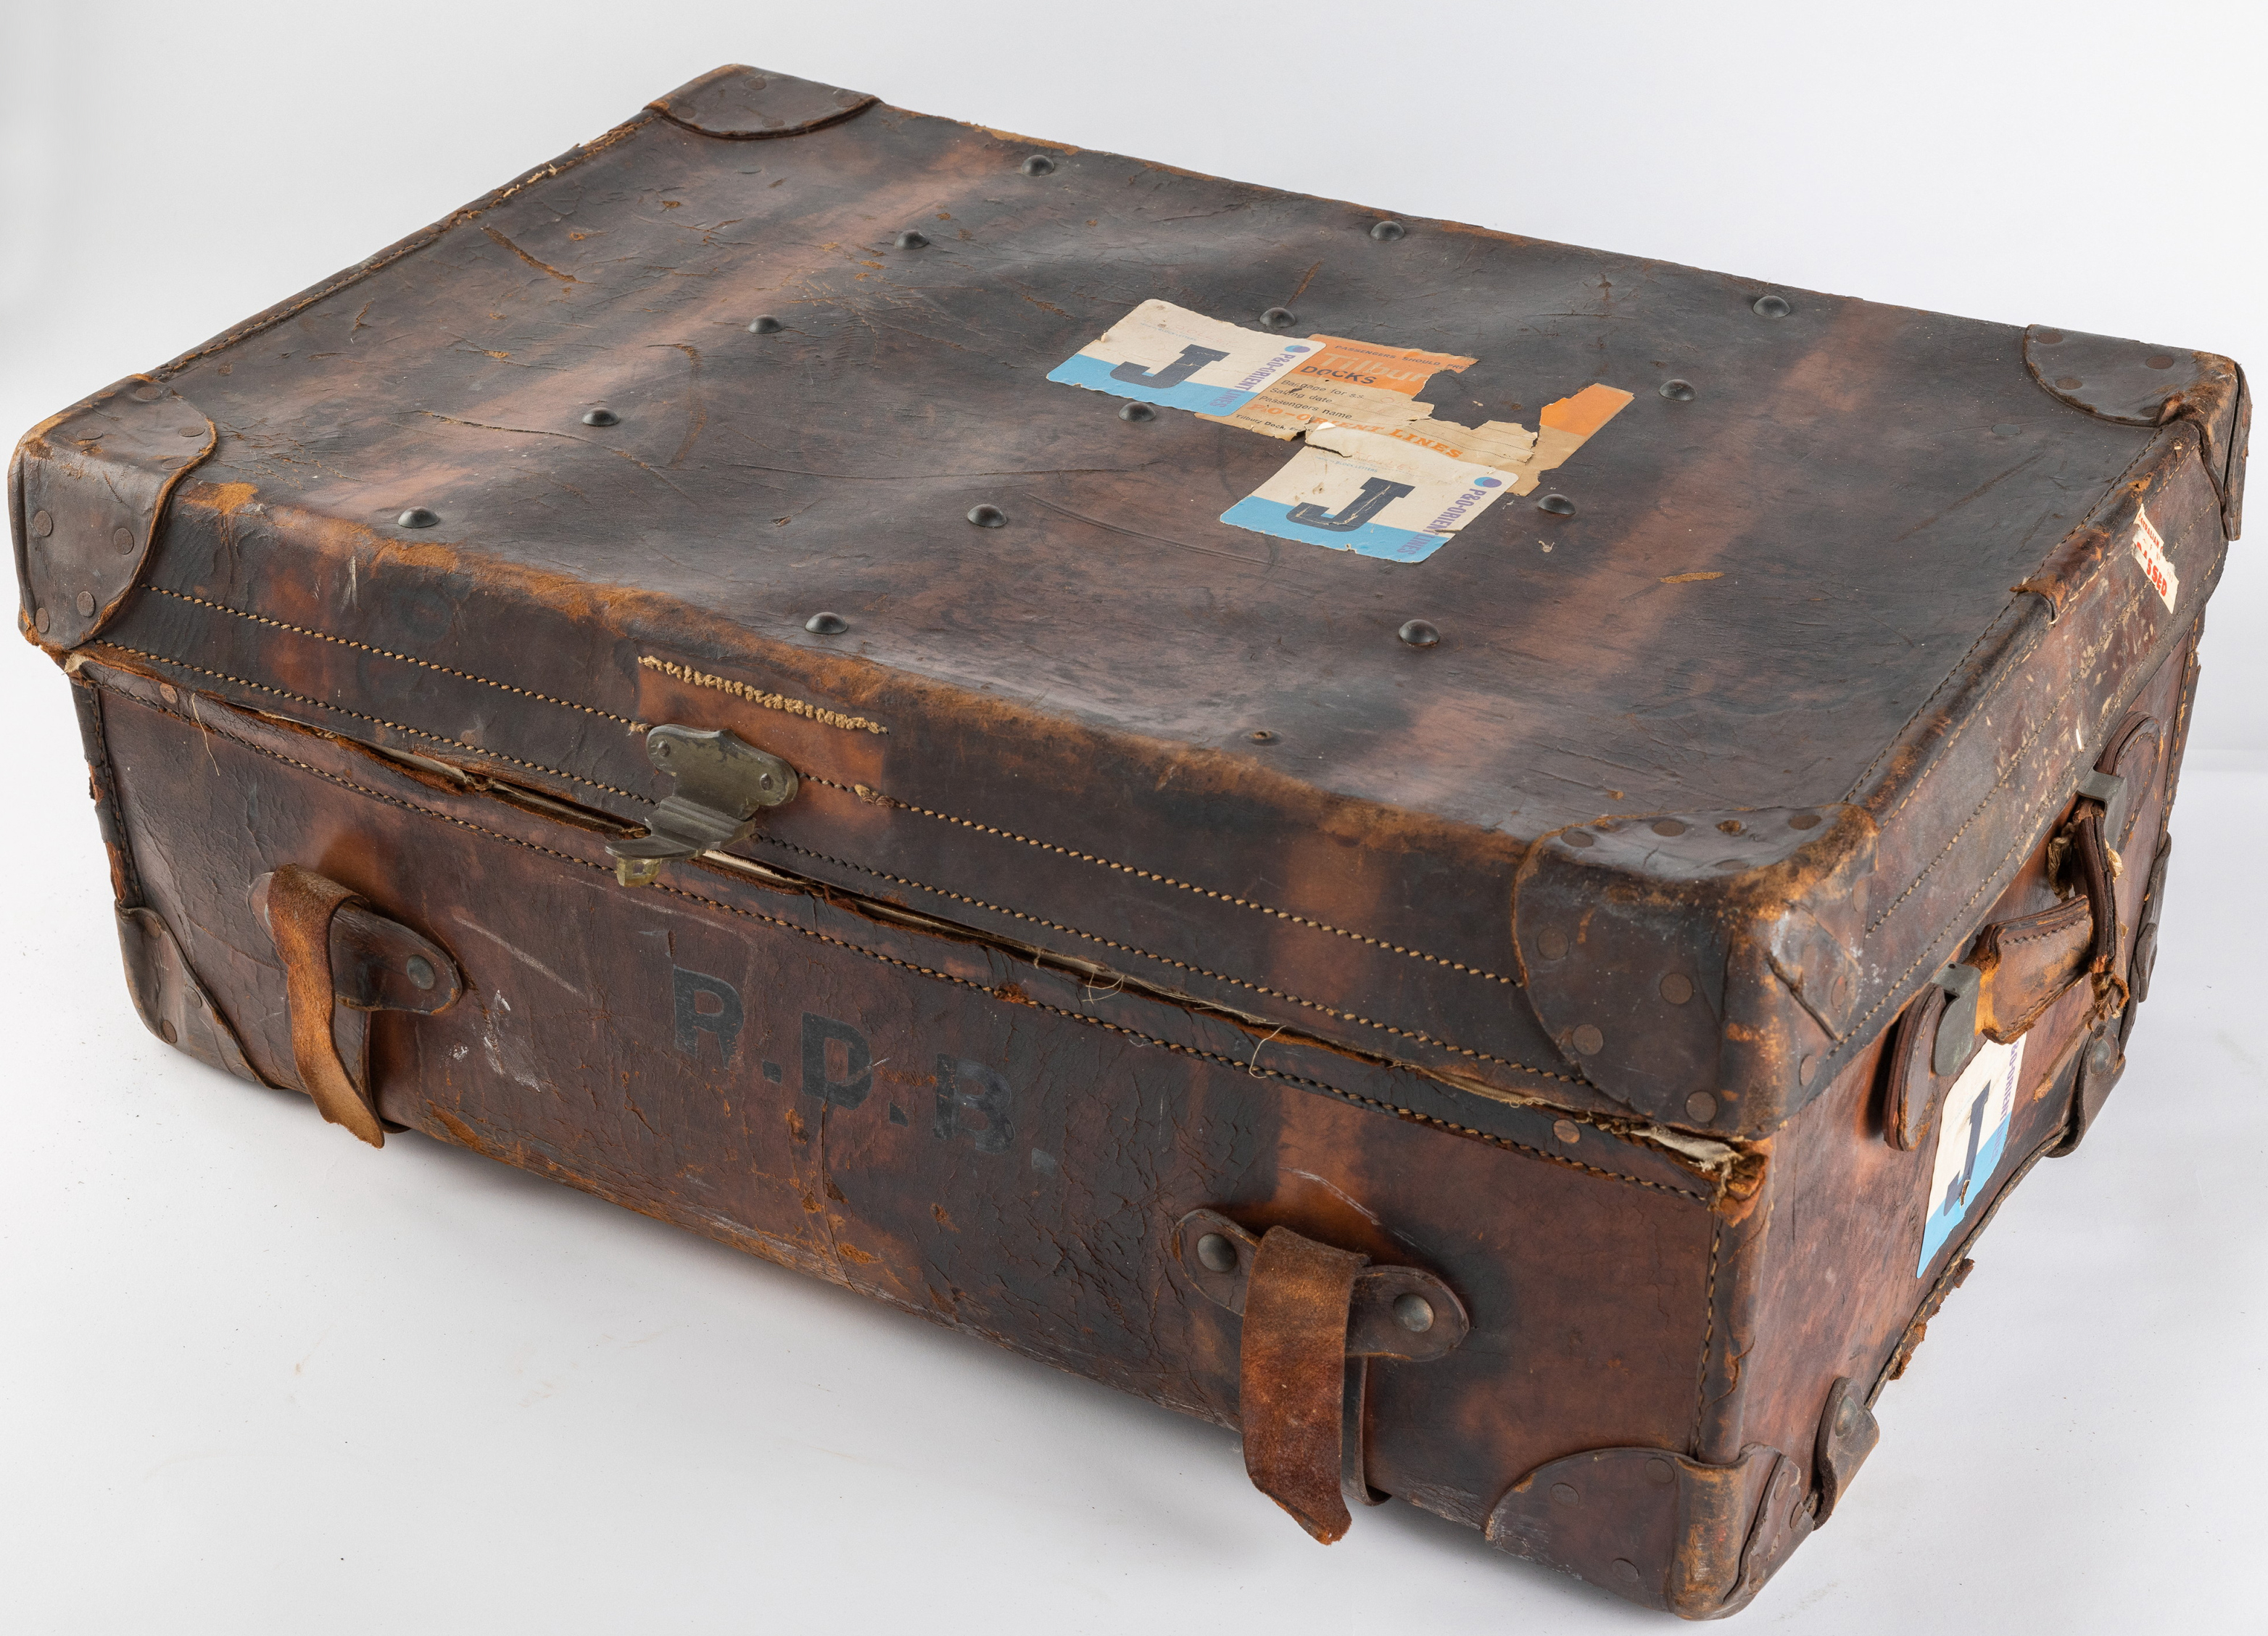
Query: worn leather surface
point(1050, 949)
point(299, 905)
point(1292, 1375)
point(1053, 1132)
point(1068, 701)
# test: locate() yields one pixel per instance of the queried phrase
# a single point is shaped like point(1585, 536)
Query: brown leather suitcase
point(1482, 860)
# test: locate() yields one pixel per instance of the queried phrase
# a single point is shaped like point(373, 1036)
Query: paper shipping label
point(1367, 493)
point(2150, 552)
point(1972, 1134)
point(1163, 354)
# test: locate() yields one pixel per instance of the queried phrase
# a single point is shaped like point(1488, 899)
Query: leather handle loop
point(300, 906)
point(1292, 1374)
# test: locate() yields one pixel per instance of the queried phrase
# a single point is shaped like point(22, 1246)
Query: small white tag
point(2150, 552)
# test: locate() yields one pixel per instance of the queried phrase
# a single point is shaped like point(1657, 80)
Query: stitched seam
point(1355, 1097)
point(1708, 1338)
point(387, 653)
point(2015, 763)
point(1222, 977)
point(398, 727)
point(850, 789)
point(783, 702)
point(1952, 920)
point(2115, 488)
point(866, 793)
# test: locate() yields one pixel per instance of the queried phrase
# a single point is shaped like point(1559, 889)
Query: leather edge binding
point(737, 103)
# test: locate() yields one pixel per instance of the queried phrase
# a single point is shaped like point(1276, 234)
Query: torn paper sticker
point(2150, 551)
point(1160, 352)
point(1358, 490)
point(1341, 381)
point(1972, 1136)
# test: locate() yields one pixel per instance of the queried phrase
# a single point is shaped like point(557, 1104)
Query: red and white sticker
point(2150, 551)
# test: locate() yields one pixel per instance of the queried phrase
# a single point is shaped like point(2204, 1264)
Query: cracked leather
point(1200, 888)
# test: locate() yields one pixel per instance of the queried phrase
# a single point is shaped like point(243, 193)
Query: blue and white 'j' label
point(1160, 352)
point(1972, 1137)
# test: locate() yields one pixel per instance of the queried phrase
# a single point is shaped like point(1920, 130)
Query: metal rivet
point(1564, 1493)
point(417, 517)
point(192, 431)
point(1216, 1254)
point(1677, 390)
point(1804, 820)
point(910, 240)
point(765, 323)
point(1667, 826)
point(1038, 164)
point(601, 417)
point(826, 625)
point(85, 603)
point(1844, 1412)
point(1588, 1040)
point(1578, 837)
point(1413, 1312)
point(170, 694)
point(2069, 383)
point(1387, 232)
point(1805, 1069)
point(1279, 317)
point(122, 539)
point(1551, 944)
point(663, 751)
point(1731, 826)
point(42, 524)
point(1659, 1472)
point(988, 517)
point(1419, 634)
point(1556, 505)
point(2158, 361)
point(2048, 337)
point(1137, 412)
point(419, 970)
point(1567, 1130)
point(167, 1032)
point(1677, 988)
point(1626, 1570)
point(1701, 1106)
point(148, 392)
point(1771, 307)
point(1260, 736)
point(39, 621)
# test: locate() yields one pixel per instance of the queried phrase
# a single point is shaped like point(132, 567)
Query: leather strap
point(1293, 1368)
point(300, 905)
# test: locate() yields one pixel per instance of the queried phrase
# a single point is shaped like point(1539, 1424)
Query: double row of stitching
point(388, 653)
point(1340, 1092)
point(1112, 864)
point(1162, 880)
point(1126, 948)
point(2015, 763)
point(379, 721)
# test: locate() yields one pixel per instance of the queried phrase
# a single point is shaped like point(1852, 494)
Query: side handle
point(1315, 1317)
point(342, 961)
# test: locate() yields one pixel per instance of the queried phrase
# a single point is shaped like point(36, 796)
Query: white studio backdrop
point(254, 1377)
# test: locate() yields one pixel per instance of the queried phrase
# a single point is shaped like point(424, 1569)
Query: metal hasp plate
point(723, 782)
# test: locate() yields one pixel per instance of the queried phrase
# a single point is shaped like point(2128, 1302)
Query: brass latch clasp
point(723, 783)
